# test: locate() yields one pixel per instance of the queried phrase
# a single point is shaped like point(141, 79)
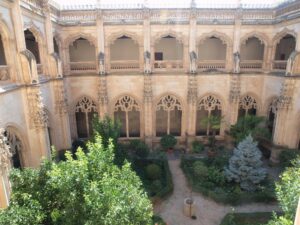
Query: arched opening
point(206, 108)
point(82, 55)
point(16, 147)
point(284, 48)
point(4, 72)
point(247, 106)
point(168, 53)
point(124, 54)
point(32, 45)
point(252, 54)
point(168, 116)
point(127, 111)
point(55, 46)
point(212, 54)
point(85, 111)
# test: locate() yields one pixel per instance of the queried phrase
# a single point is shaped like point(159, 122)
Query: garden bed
point(246, 218)
point(206, 176)
point(159, 183)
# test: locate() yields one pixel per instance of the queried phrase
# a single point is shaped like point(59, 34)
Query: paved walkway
point(208, 212)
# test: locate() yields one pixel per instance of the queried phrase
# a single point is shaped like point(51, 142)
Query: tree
point(90, 190)
point(214, 124)
point(249, 125)
point(245, 165)
point(288, 193)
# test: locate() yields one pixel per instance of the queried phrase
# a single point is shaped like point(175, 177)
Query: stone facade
point(42, 101)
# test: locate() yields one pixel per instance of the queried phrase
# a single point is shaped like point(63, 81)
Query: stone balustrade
point(168, 64)
point(4, 73)
point(279, 65)
point(204, 65)
point(88, 66)
point(250, 65)
point(124, 65)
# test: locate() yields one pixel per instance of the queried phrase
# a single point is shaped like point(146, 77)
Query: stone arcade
point(158, 69)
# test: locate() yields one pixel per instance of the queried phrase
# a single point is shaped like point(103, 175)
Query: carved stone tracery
point(126, 104)
point(86, 105)
point(209, 103)
point(5, 152)
point(61, 102)
point(248, 102)
point(168, 103)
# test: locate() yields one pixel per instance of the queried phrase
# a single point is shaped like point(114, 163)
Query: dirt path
point(208, 212)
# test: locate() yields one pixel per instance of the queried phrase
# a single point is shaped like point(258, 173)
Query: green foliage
point(200, 169)
point(107, 129)
point(153, 171)
point(249, 125)
point(246, 218)
point(139, 148)
point(168, 142)
point(90, 190)
point(157, 220)
point(207, 177)
point(287, 156)
point(197, 147)
point(245, 165)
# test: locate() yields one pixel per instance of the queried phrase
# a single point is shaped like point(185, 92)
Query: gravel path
point(208, 212)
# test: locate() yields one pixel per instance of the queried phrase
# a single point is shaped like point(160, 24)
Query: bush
point(156, 186)
point(197, 147)
point(153, 171)
point(200, 169)
point(216, 176)
point(168, 142)
point(286, 157)
point(139, 148)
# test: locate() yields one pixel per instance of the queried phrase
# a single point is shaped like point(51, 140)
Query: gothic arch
point(114, 36)
point(84, 110)
point(70, 39)
point(129, 111)
point(281, 34)
point(260, 36)
point(131, 96)
point(169, 115)
point(215, 96)
point(223, 37)
point(170, 94)
point(249, 104)
point(17, 142)
point(177, 35)
point(36, 32)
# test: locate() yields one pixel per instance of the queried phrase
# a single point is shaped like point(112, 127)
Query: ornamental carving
point(5, 153)
point(148, 88)
point(61, 103)
point(37, 113)
point(273, 106)
point(248, 102)
point(102, 94)
point(235, 88)
point(209, 103)
point(168, 103)
point(286, 94)
point(4, 74)
point(126, 104)
point(192, 89)
point(86, 105)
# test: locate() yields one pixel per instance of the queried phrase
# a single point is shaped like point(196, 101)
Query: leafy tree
point(108, 129)
point(214, 124)
point(90, 190)
point(245, 165)
point(168, 142)
point(247, 125)
point(288, 193)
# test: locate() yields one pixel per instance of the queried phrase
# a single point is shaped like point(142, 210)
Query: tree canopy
point(90, 190)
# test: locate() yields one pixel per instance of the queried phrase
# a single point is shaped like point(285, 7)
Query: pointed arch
point(256, 34)
point(70, 39)
point(132, 35)
point(222, 36)
point(177, 35)
point(282, 33)
point(35, 30)
point(249, 104)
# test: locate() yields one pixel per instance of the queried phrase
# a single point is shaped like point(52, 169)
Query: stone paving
point(208, 212)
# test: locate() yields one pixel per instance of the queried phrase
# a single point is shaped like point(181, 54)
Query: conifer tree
point(245, 166)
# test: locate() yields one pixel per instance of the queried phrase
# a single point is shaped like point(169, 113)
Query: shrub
point(215, 176)
point(153, 171)
point(200, 169)
point(197, 147)
point(286, 157)
point(156, 186)
point(168, 142)
point(139, 148)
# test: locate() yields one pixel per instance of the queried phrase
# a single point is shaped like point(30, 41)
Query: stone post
point(148, 110)
point(102, 96)
point(100, 42)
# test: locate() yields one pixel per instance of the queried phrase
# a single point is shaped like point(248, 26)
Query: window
point(247, 106)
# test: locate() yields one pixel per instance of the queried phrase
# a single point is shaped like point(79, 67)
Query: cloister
point(157, 70)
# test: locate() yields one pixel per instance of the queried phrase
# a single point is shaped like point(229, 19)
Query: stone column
point(192, 37)
point(100, 42)
point(102, 96)
point(234, 98)
point(267, 63)
point(66, 60)
point(236, 45)
point(147, 37)
point(148, 110)
point(61, 118)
